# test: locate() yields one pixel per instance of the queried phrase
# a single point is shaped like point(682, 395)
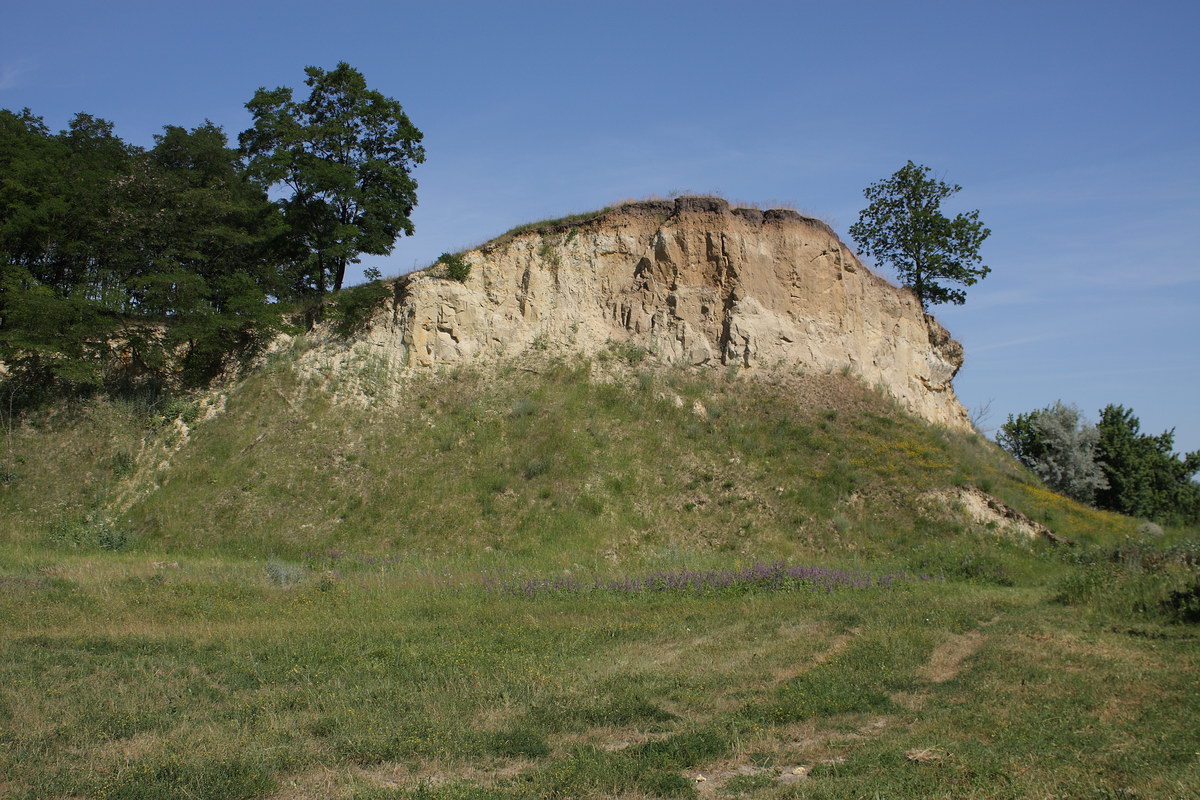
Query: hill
point(552, 459)
point(692, 282)
point(374, 568)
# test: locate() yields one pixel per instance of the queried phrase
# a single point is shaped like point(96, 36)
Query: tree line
point(1112, 465)
point(124, 267)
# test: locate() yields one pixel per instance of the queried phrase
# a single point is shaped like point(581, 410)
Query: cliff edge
point(694, 282)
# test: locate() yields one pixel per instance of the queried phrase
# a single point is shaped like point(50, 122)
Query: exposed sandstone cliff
point(692, 281)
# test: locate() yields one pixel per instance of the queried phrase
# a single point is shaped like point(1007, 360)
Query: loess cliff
point(693, 282)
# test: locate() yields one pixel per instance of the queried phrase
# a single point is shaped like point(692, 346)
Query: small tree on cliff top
point(905, 227)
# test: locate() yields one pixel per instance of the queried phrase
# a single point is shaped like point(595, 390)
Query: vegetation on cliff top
point(134, 272)
point(905, 228)
point(346, 153)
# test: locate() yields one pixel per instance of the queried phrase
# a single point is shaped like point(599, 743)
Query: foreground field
point(125, 679)
point(558, 586)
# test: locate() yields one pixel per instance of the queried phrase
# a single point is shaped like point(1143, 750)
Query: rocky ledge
point(694, 282)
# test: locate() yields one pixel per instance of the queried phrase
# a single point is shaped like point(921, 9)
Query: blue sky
point(1074, 128)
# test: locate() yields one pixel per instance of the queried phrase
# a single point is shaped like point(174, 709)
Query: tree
point(1059, 447)
point(1112, 465)
point(345, 153)
point(904, 226)
point(122, 268)
point(1145, 477)
point(55, 285)
point(204, 258)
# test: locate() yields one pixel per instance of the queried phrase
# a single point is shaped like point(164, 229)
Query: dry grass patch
point(949, 656)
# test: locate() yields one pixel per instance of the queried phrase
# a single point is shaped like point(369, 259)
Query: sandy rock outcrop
point(978, 507)
point(692, 281)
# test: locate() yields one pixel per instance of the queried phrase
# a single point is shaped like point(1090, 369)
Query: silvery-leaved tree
point(1059, 446)
point(904, 226)
point(345, 153)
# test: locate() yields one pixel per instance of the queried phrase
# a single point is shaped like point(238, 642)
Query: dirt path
point(945, 663)
point(835, 649)
point(947, 658)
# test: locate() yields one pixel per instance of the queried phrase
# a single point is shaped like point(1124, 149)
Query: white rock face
point(693, 282)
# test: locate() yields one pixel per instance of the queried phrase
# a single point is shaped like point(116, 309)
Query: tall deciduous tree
point(346, 153)
point(55, 282)
point(904, 226)
point(201, 242)
point(122, 268)
point(1113, 465)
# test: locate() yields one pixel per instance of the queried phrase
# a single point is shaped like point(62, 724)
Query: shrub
point(536, 467)
point(181, 407)
point(455, 267)
point(1078, 587)
point(1059, 447)
point(91, 531)
point(109, 537)
point(1149, 530)
point(1184, 604)
point(351, 309)
point(549, 255)
point(523, 407)
point(628, 352)
point(282, 573)
point(1136, 578)
point(965, 564)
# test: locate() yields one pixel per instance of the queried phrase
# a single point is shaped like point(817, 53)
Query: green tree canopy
point(1145, 476)
point(59, 294)
point(1112, 465)
point(904, 227)
point(345, 153)
point(125, 267)
point(203, 254)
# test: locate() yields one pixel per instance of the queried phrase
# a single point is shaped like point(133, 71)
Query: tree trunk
point(341, 274)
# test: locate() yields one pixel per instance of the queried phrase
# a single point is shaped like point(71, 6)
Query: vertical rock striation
point(692, 281)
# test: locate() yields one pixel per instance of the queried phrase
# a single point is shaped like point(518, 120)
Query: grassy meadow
point(556, 582)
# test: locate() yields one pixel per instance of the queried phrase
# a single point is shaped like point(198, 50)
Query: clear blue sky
point(1074, 127)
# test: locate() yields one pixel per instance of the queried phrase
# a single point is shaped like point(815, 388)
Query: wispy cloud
point(1001, 298)
point(10, 75)
point(1012, 343)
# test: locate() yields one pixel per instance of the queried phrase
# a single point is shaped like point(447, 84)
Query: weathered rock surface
point(981, 508)
point(692, 281)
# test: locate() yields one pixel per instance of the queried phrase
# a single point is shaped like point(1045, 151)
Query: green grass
point(121, 679)
point(547, 470)
point(292, 602)
point(547, 226)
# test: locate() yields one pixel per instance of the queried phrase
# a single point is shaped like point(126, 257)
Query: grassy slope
point(298, 608)
point(546, 465)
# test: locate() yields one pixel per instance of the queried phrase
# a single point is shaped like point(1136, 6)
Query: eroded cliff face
point(692, 281)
